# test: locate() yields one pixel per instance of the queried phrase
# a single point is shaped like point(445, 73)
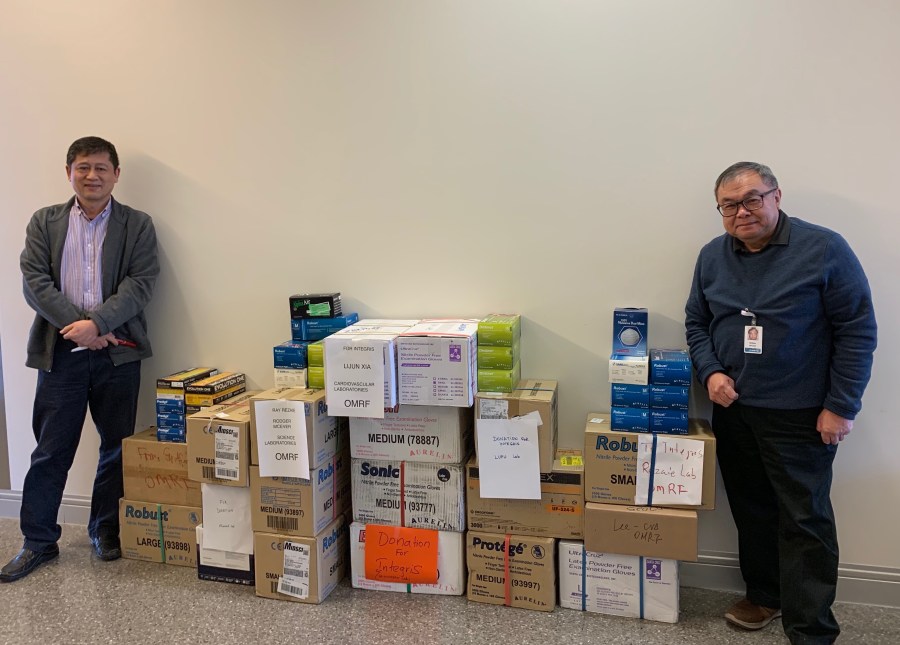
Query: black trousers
point(78, 381)
point(777, 474)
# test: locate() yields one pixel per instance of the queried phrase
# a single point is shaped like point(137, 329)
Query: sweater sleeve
point(40, 290)
point(848, 307)
point(697, 319)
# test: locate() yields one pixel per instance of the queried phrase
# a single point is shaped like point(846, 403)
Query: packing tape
point(641, 578)
point(652, 471)
point(507, 600)
point(159, 525)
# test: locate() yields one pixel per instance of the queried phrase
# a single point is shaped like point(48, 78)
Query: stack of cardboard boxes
point(499, 366)
point(408, 467)
point(313, 317)
point(171, 403)
point(628, 562)
point(218, 450)
point(162, 506)
point(511, 542)
point(299, 523)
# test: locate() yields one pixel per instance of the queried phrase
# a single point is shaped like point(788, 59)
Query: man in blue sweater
point(784, 400)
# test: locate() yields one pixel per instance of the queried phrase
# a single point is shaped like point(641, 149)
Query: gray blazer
point(129, 267)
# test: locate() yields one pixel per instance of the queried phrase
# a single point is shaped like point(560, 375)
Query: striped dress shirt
point(81, 270)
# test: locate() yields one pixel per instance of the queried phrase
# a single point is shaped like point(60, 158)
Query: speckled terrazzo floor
point(79, 599)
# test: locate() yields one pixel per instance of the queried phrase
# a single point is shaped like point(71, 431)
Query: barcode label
point(295, 580)
point(227, 456)
point(493, 409)
point(282, 523)
point(296, 573)
point(208, 472)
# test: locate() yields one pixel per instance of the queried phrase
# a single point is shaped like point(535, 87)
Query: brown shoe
point(745, 614)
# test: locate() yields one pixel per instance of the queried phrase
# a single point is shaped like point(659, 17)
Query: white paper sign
point(294, 581)
point(226, 518)
point(354, 377)
point(669, 470)
point(281, 439)
point(508, 457)
point(221, 559)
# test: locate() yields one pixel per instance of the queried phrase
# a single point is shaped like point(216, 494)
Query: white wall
point(457, 158)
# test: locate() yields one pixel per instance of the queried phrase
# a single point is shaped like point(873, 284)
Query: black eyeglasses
point(752, 203)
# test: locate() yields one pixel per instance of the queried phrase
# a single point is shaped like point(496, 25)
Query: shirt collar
point(780, 237)
point(105, 212)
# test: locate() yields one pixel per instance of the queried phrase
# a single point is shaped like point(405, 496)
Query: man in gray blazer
point(89, 268)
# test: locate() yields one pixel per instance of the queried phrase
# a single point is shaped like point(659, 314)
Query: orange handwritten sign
point(400, 554)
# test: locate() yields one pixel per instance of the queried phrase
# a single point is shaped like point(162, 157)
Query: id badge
point(753, 339)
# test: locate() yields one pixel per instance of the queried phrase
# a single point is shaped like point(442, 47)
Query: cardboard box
point(366, 333)
point(288, 377)
point(630, 331)
point(432, 496)
point(630, 419)
point(315, 305)
point(159, 532)
point(558, 513)
point(174, 384)
point(532, 395)
point(437, 363)
point(618, 585)
point(629, 396)
point(502, 330)
point(511, 570)
point(668, 421)
point(315, 354)
point(503, 381)
point(315, 377)
point(451, 566)
point(634, 370)
point(414, 433)
point(294, 506)
point(323, 432)
point(290, 354)
point(155, 471)
point(223, 566)
point(318, 328)
point(670, 367)
point(611, 457)
point(497, 358)
point(651, 531)
point(670, 397)
point(323, 560)
point(218, 440)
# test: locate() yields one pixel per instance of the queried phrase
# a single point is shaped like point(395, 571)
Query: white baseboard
point(860, 584)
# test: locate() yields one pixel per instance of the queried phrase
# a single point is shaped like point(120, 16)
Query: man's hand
point(833, 428)
point(721, 389)
point(103, 341)
point(81, 332)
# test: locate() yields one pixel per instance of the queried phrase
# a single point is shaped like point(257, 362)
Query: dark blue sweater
point(812, 299)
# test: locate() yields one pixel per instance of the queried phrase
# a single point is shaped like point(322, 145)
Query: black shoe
point(107, 547)
point(25, 562)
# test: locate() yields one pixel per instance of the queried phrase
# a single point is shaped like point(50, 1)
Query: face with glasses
point(749, 209)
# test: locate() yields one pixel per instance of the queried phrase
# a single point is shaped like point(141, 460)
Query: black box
point(316, 305)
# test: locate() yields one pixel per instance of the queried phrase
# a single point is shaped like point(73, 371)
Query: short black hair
point(90, 146)
point(765, 173)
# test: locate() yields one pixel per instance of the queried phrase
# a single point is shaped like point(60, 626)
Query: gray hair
point(765, 173)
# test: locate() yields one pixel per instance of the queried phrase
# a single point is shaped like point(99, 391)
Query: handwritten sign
point(355, 379)
point(669, 470)
point(508, 457)
point(281, 439)
point(400, 554)
point(226, 518)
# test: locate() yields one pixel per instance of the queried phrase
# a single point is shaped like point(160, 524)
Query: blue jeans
point(77, 381)
point(777, 474)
